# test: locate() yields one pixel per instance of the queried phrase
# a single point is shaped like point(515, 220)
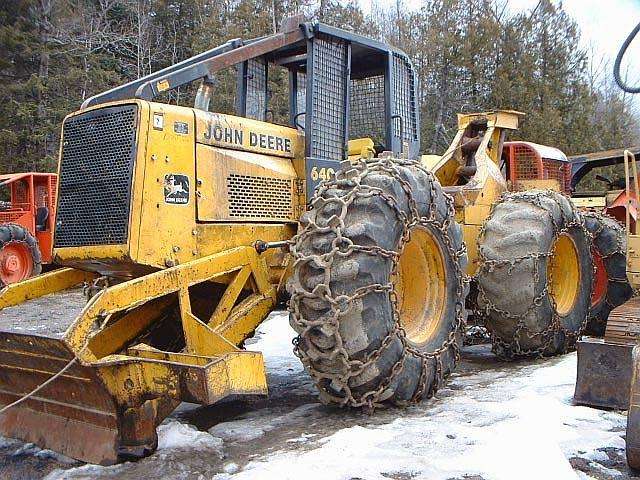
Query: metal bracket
point(261, 246)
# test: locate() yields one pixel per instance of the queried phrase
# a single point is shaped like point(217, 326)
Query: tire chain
point(340, 304)
point(620, 248)
point(510, 350)
point(12, 239)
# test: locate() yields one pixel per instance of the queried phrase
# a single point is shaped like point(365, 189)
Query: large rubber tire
point(609, 250)
point(343, 290)
point(14, 234)
point(516, 252)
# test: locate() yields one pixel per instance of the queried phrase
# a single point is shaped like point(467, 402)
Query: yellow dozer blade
point(98, 393)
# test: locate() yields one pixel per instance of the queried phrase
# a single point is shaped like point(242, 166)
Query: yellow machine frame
point(210, 263)
point(144, 382)
point(157, 268)
point(474, 199)
point(156, 229)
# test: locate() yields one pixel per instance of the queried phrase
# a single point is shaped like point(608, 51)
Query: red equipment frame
point(530, 161)
point(30, 191)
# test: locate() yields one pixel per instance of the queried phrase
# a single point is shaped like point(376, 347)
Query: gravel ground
point(49, 315)
point(491, 421)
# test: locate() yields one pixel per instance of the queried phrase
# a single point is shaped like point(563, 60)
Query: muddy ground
point(492, 420)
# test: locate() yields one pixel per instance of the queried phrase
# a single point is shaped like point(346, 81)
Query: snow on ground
point(274, 339)
point(178, 435)
point(493, 420)
point(489, 428)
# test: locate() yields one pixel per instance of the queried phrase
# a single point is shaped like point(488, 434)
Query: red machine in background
point(526, 162)
point(531, 161)
point(614, 200)
point(26, 224)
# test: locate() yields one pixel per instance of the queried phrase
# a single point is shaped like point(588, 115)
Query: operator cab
point(346, 92)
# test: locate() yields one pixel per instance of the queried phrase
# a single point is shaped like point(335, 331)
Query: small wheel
point(378, 285)
point(19, 254)
point(535, 274)
point(611, 287)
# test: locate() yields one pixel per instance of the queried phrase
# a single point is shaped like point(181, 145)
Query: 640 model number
point(322, 173)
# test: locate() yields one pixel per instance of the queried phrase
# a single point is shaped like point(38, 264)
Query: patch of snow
point(273, 338)
point(240, 430)
point(7, 442)
point(230, 467)
point(56, 474)
point(55, 456)
point(88, 471)
point(255, 424)
point(494, 429)
point(604, 470)
point(221, 476)
point(26, 449)
point(584, 476)
point(33, 449)
point(511, 421)
point(302, 438)
point(182, 436)
point(597, 456)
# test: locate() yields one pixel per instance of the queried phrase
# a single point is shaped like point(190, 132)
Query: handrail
point(208, 66)
point(627, 157)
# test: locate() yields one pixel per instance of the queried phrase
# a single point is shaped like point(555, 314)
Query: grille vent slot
point(259, 197)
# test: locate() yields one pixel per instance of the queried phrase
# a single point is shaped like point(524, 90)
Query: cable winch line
point(39, 387)
point(619, 57)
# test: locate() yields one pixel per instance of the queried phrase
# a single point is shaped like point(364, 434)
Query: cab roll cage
point(341, 86)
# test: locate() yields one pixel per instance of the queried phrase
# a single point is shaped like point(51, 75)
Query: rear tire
point(20, 256)
point(611, 286)
point(378, 289)
point(535, 274)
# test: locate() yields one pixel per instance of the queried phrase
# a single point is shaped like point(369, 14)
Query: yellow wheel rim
point(563, 274)
point(421, 286)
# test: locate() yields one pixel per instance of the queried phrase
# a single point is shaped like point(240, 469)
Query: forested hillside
point(470, 54)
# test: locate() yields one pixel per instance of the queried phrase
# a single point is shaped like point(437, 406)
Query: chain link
point(13, 239)
point(620, 238)
point(340, 304)
point(510, 349)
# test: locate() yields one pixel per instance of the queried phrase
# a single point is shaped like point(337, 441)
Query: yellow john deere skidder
point(187, 216)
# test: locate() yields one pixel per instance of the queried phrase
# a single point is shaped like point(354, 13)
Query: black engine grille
point(98, 151)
